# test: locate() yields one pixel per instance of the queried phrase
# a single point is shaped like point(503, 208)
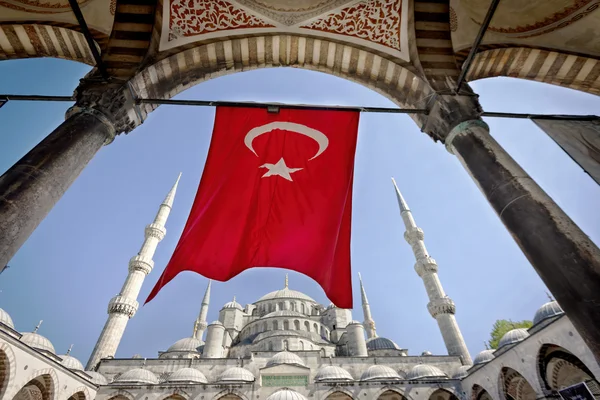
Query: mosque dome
point(137, 375)
point(483, 357)
point(332, 373)
point(426, 353)
point(286, 394)
point(285, 293)
point(97, 378)
point(233, 304)
point(461, 372)
point(136, 356)
point(71, 362)
point(236, 374)
point(379, 373)
point(548, 310)
point(189, 344)
point(424, 371)
point(285, 357)
point(6, 319)
point(354, 322)
point(513, 336)
point(216, 323)
point(381, 343)
point(37, 341)
point(187, 375)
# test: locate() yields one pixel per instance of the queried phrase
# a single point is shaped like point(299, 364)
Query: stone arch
point(514, 386)
point(388, 393)
point(302, 308)
point(229, 394)
point(178, 72)
point(559, 368)
point(80, 393)
point(307, 326)
point(275, 325)
point(286, 325)
point(338, 393)
point(177, 395)
point(442, 394)
point(45, 380)
point(7, 367)
point(121, 395)
point(557, 68)
point(479, 393)
point(297, 325)
point(40, 40)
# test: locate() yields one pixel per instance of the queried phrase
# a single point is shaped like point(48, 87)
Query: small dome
point(379, 373)
point(236, 374)
point(71, 362)
point(216, 323)
point(285, 293)
point(514, 336)
point(354, 322)
point(137, 375)
point(286, 394)
point(37, 341)
point(332, 373)
point(6, 319)
point(426, 353)
point(187, 375)
point(483, 357)
point(381, 343)
point(233, 304)
point(461, 372)
point(548, 310)
point(136, 356)
point(97, 378)
point(188, 344)
point(424, 371)
point(285, 357)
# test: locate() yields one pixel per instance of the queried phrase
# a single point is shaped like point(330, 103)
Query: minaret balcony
point(443, 305)
point(141, 263)
point(122, 305)
point(427, 266)
point(414, 235)
point(156, 231)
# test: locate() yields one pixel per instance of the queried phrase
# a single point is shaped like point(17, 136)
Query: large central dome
point(285, 293)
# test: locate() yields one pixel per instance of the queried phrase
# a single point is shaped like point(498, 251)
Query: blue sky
point(77, 259)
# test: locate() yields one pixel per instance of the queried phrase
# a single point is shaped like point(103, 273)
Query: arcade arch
point(513, 386)
point(6, 368)
point(78, 396)
point(338, 395)
point(479, 393)
point(558, 368)
point(42, 387)
point(442, 394)
point(389, 394)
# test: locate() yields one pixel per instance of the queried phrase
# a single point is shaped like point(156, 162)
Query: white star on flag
point(280, 169)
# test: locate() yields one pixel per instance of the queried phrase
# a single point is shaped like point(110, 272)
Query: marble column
point(31, 187)
point(564, 256)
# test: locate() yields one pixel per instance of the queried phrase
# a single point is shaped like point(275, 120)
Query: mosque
point(286, 346)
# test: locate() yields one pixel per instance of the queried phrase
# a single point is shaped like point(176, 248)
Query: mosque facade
point(287, 346)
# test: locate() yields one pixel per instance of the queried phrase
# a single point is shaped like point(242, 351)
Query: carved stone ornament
point(139, 263)
point(444, 305)
point(414, 235)
point(156, 231)
point(428, 266)
point(123, 305)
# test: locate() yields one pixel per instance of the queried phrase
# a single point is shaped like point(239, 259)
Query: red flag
point(276, 191)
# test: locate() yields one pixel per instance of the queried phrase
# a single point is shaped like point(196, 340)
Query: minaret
point(200, 324)
point(124, 305)
point(368, 323)
point(440, 306)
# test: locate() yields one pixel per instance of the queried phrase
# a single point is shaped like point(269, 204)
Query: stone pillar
point(213, 347)
point(565, 258)
point(31, 187)
point(357, 345)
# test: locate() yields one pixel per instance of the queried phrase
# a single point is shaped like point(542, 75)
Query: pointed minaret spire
point(124, 305)
point(38, 326)
point(200, 324)
point(286, 281)
point(368, 323)
point(440, 306)
point(69, 351)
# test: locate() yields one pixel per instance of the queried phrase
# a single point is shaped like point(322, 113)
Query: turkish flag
point(276, 191)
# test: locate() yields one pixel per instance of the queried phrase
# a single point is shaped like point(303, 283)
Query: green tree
point(502, 326)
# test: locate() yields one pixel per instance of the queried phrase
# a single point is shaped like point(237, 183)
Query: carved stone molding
point(413, 236)
point(444, 305)
point(155, 230)
point(140, 263)
point(122, 305)
point(428, 266)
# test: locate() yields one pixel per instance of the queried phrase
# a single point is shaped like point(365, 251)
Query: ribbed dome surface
point(285, 293)
point(483, 357)
point(548, 310)
point(186, 344)
point(234, 304)
point(6, 319)
point(514, 336)
point(285, 357)
point(236, 374)
point(285, 313)
point(97, 378)
point(37, 341)
point(424, 371)
point(138, 375)
point(187, 375)
point(332, 373)
point(71, 362)
point(379, 372)
point(286, 394)
point(381, 343)
point(461, 372)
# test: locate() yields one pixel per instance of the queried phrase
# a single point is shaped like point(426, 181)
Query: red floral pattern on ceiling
point(377, 21)
point(195, 17)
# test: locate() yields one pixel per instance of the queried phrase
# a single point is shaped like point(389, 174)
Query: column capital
point(463, 128)
point(449, 111)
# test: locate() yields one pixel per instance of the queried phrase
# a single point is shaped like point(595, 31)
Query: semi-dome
point(548, 310)
point(6, 319)
point(381, 343)
point(285, 357)
point(97, 378)
point(286, 394)
point(189, 344)
point(379, 373)
point(138, 375)
point(285, 293)
point(483, 357)
point(424, 371)
point(187, 375)
point(37, 341)
point(461, 372)
point(513, 336)
point(236, 374)
point(332, 373)
point(71, 362)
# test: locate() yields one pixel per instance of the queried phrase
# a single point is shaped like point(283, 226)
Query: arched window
point(297, 325)
point(316, 327)
point(270, 346)
point(323, 352)
point(275, 326)
point(286, 325)
point(301, 345)
point(323, 333)
point(307, 326)
point(286, 345)
point(271, 308)
point(264, 327)
point(281, 305)
point(302, 308)
point(293, 306)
